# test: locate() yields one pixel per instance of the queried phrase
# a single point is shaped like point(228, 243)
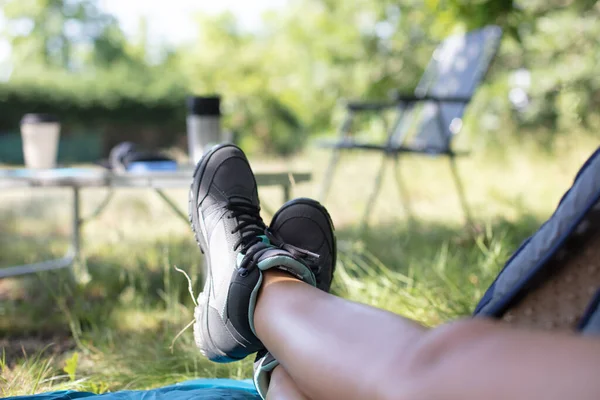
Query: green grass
point(116, 331)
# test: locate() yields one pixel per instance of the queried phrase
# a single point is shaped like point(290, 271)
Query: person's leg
point(333, 348)
point(304, 227)
point(336, 349)
point(283, 387)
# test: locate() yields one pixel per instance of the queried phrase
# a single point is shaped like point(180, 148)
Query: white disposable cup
point(40, 135)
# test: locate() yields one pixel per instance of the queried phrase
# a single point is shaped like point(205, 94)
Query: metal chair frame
point(428, 94)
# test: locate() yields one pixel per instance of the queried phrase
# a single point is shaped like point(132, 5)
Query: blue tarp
point(212, 389)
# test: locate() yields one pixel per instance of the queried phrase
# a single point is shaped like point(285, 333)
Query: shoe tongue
point(241, 199)
point(297, 252)
point(240, 193)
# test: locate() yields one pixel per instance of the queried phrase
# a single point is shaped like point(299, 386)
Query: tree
point(61, 33)
point(283, 82)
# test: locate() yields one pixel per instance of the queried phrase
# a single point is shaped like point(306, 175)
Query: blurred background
point(117, 70)
point(120, 70)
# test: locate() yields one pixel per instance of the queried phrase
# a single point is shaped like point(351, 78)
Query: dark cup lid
point(204, 105)
point(38, 119)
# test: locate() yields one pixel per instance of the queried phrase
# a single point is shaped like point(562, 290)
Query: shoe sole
point(558, 302)
point(322, 209)
point(201, 332)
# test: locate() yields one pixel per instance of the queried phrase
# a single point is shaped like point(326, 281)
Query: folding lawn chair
point(427, 121)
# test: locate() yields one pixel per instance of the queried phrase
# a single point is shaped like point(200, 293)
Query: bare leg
point(282, 387)
point(333, 342)
point(337, 349)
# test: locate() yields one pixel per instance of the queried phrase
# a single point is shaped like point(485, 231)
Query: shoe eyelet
point(243, 272)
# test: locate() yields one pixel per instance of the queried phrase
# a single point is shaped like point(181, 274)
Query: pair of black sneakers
point(239, 247)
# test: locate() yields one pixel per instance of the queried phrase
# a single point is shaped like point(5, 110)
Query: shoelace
point(311, 259)
point(251, 227)
point(252, 245)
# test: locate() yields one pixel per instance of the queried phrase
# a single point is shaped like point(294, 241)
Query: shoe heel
point(202, 335)
point(199, 324)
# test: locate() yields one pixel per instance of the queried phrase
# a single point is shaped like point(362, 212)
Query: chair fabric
point(427, 121)
point(549, 282)
point(529, 261)
point(456, 69)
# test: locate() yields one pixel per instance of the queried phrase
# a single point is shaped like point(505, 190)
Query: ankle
point(275, 275)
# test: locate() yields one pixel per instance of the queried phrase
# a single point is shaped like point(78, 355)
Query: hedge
point(116, 104)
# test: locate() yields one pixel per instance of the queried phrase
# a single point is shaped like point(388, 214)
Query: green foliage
point(117, 103)
point(62, 33)
point(283, 83)
point(116, 91)
point(559, 46)
point(71, 366)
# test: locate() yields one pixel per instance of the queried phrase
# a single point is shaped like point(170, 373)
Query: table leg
point(60, 263)
point(100, 208)
point(77, 222)
point(173, 206)
point(79, 268)
point(66, 261)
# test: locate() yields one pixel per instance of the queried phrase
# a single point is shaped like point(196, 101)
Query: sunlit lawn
point(123, 322)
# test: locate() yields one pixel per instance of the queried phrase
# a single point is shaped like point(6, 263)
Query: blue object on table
point(148, 166)
point(207, 389)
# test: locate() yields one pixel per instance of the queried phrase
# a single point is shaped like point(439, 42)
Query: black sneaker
point(225, 217)
point(304, 228)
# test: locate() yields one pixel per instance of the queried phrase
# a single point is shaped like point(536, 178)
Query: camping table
point(79, 178)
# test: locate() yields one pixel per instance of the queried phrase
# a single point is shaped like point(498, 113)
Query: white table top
point(98, 177)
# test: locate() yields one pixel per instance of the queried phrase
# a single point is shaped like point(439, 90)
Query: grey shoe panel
point(222, 254)
point(220, 334)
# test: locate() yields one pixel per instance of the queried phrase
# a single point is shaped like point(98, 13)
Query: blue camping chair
point(427, 121)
